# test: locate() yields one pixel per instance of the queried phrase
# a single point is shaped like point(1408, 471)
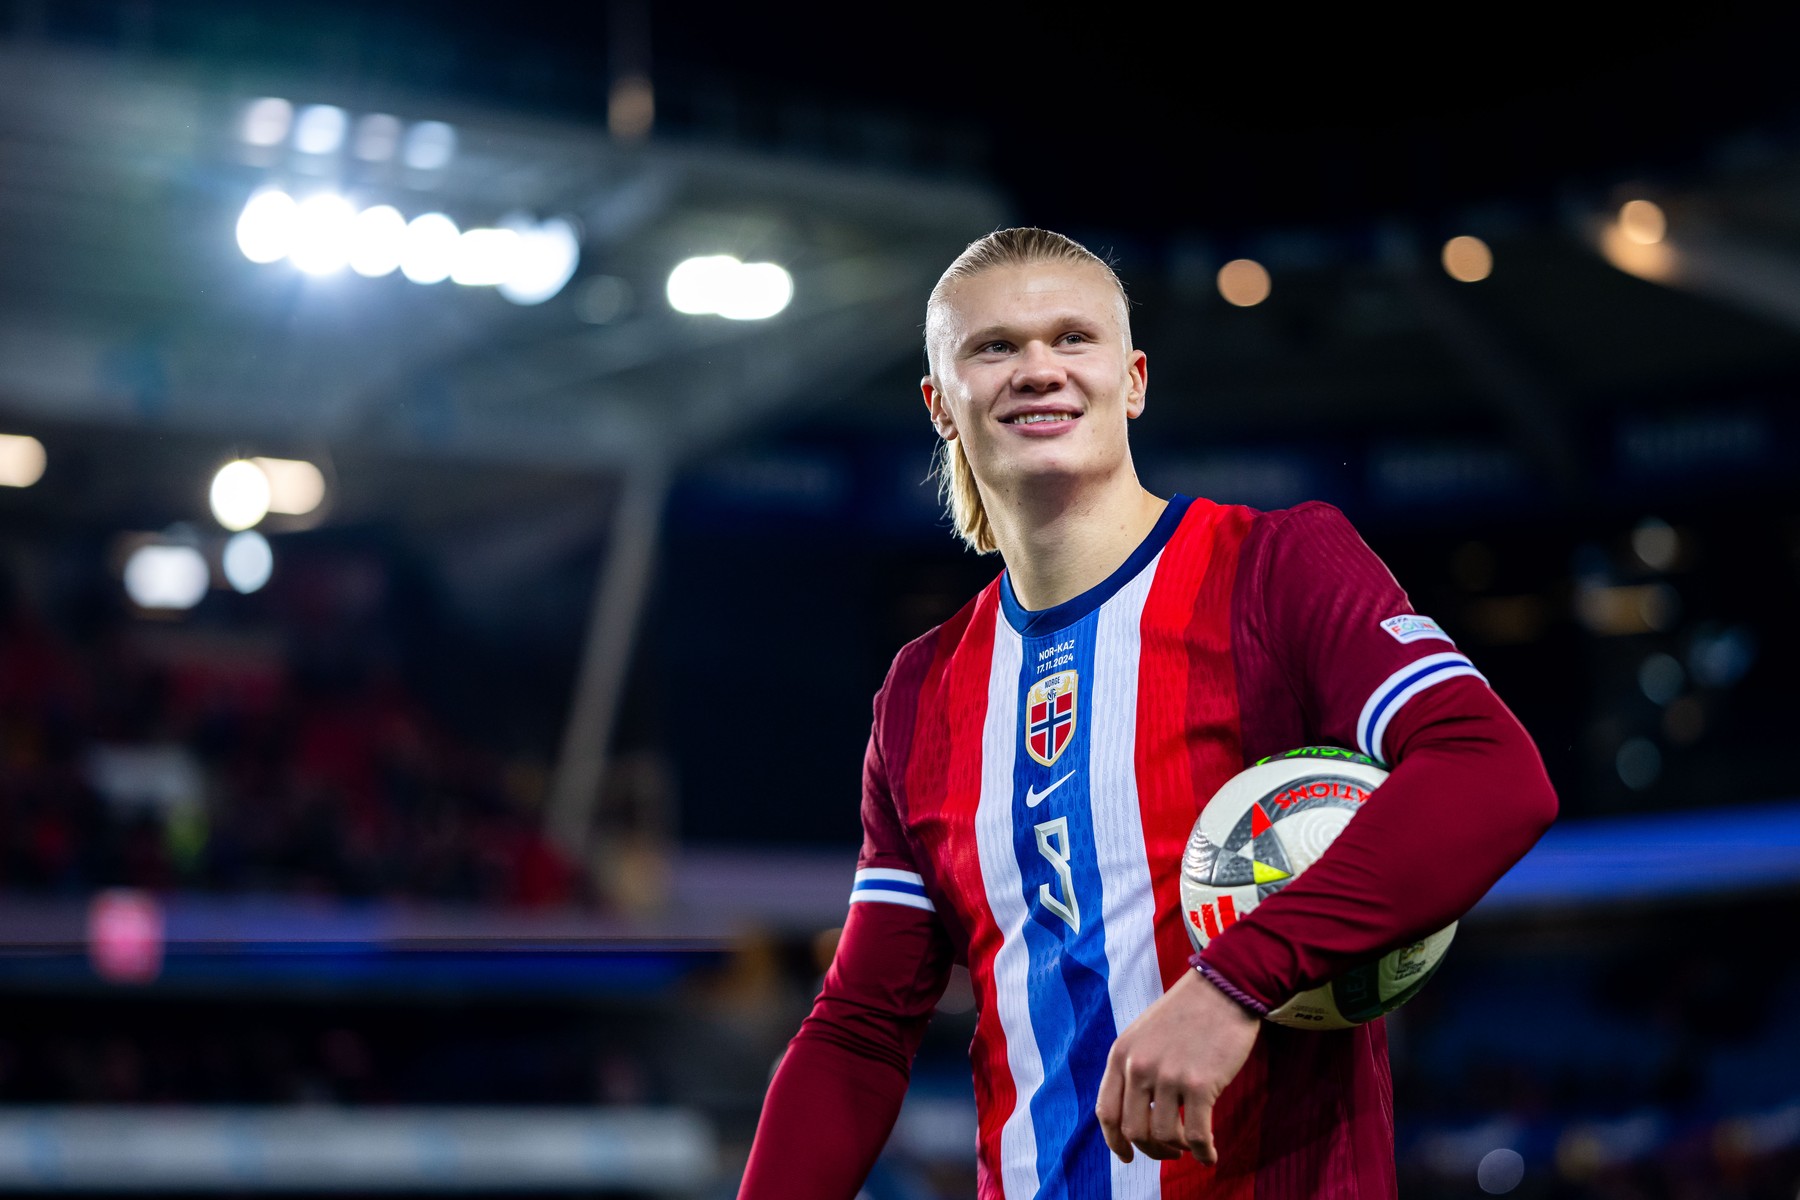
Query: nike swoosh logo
point(1033, 798)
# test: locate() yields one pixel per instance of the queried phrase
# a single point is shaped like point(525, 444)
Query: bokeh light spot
point(1244, 282)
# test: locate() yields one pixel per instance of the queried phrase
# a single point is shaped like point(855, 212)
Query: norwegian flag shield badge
point(1050, 716)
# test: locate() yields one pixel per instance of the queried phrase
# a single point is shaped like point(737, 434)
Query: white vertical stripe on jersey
point(1127, 904)
point(1006, 900)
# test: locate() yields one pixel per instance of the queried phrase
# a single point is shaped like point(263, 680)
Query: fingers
point(1132, 1112)
point(1135, 1116)
point(1168, 1067)
point(1165, 1120)
point(1109, 1109)
point(1196, 1129)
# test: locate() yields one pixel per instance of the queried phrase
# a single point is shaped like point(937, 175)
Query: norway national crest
point(1050, 716)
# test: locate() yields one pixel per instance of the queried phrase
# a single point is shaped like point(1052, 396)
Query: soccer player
point(1038, 760)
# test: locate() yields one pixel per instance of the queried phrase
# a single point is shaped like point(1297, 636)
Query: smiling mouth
point(1038, 418)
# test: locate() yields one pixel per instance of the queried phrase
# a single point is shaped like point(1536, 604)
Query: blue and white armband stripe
point(1400, 687)
point(891, 887)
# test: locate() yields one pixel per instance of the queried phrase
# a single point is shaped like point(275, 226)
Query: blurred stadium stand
point(498, 841)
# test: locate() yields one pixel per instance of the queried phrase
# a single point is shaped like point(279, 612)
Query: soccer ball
point(1256, 835)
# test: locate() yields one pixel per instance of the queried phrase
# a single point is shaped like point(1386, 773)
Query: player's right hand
point(1167, 1069)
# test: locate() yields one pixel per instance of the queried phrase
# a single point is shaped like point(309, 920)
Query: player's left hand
point(1167, 1069)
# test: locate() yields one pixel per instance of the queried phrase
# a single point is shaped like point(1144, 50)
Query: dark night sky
point(1094, 117)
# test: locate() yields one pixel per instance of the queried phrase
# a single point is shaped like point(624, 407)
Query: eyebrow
point(1062, 320)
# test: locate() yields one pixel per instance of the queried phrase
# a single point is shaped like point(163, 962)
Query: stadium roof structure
point(127, 302)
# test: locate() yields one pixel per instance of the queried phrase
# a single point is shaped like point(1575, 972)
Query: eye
point(1073, 339)
point(996, 347)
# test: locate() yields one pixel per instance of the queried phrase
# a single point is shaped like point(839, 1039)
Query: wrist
point(1231, 990)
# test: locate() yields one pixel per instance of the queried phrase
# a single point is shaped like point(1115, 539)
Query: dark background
point(1583, 473)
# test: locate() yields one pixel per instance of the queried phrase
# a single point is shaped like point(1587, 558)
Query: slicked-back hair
point(1023, 246)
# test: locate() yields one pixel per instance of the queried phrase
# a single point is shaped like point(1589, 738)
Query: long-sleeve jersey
point(1030, 782)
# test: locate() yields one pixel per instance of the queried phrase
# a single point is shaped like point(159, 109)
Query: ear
point(940, 412)
point(1137, 371)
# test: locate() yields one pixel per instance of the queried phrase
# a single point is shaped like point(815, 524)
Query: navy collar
point(1049, 620)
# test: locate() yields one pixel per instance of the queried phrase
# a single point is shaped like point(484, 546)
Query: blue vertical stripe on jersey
point(1071, 1006)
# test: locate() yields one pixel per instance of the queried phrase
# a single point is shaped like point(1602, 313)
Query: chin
point(1027, 469)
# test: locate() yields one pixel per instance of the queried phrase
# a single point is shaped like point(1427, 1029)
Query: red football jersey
point(1031, 781)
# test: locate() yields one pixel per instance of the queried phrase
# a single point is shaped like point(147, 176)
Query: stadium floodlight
point(545, 260)
point(165, 576)
point(529, 262)
point(266, 121)
point(696, 283)
point(428, 251)
point(248, 561)
point(429, 146)
point(755, 292)
point(485, 257)
point(296, 487)
point(376, 237)
point(21, 460)
point(319, 129)
point(377, 137)
point(240, 494)
point(719, 284)
point(322, 234)
point(266, 228)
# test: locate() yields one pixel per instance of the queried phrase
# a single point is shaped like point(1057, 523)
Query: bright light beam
point(248, 561)
point(428, 252)
point(544, 262)
point(429, 146)
point(240, 495)
point(296, 487)
point(22, 460)
point(720, 285)
point(167, 577)
point(322, 234)
point(376, 240)
point(266, 121)
point(756, 292)
point(267, 226)
point(485, 257)
point(319, 129)
point(377, 137)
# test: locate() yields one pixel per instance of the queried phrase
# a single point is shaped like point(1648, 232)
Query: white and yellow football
point(1256, 835)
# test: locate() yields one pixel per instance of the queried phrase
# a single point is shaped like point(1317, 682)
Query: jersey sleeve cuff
point(1393, 692)
point(1244, 999)
point(886, 885)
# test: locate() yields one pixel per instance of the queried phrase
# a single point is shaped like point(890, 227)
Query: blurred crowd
point(150, 755)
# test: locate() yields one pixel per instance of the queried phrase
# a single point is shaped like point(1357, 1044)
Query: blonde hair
point(957, 489)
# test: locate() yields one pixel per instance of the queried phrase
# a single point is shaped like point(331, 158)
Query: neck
point(1058, 541)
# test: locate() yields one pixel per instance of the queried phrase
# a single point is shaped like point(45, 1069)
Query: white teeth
point(1038, 418)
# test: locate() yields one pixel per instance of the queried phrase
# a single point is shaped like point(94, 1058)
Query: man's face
point(1031, 369)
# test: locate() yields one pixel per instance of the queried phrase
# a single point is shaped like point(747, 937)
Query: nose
point(1038, 370)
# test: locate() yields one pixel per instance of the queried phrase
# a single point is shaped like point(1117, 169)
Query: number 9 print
point(1053, 844)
